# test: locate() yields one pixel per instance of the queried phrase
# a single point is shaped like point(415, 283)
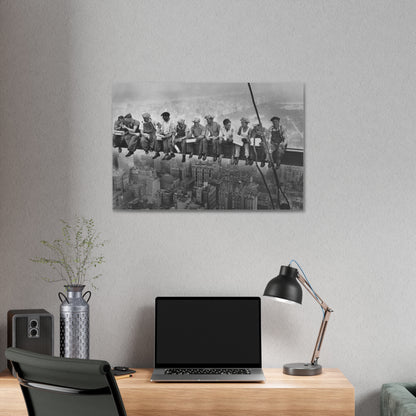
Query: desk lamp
point(286, 288)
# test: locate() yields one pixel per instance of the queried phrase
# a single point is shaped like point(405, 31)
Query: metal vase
point(75, 322)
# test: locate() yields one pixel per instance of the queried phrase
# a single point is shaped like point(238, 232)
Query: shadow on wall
point(36, 66)
point(3, 336)
point(366, 405)
point(143, 354)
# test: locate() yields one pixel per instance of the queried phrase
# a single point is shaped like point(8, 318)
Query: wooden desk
point(329, 394)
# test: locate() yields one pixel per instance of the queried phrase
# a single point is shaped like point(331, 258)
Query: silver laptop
point(208, 339)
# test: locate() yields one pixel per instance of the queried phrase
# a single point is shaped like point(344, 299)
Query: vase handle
point(89, 297)
point(60, 298)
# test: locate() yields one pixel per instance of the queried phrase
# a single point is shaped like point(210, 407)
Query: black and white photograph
point(208, 146)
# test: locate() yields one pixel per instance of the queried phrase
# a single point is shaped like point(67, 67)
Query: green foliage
point(72, 256)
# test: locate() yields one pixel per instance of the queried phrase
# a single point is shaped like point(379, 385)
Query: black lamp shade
point(285, 286)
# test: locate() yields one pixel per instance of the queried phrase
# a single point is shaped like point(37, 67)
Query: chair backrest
point(66, 386)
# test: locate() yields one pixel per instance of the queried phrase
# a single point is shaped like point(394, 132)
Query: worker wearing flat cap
point(258, 145)
point(213, 134)
point(181, 134)
point(244, 134)
point(197, 136)
point(228, 134)
point(148, 138)
point(132, 135)
point(277, 140)
point(164, 137)
point(118, 132)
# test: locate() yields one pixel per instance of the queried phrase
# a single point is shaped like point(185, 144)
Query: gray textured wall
point(356, 237)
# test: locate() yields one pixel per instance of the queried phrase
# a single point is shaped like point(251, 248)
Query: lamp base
point(302, 369)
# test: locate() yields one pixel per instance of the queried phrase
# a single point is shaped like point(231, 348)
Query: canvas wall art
point(208, 146)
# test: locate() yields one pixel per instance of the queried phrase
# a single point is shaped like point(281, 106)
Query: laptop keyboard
point(206, 371)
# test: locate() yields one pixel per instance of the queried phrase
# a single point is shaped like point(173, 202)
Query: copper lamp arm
point(327, 314)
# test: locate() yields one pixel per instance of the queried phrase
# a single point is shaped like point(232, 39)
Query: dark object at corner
point(30, 330)
point(66, 386)
point(398, 399)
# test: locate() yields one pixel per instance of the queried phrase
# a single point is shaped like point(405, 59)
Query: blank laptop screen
point(208, 332)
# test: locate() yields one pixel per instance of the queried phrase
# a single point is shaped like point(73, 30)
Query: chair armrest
point(397, 399)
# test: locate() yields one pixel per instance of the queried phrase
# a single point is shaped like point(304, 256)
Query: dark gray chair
point(55, 386)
